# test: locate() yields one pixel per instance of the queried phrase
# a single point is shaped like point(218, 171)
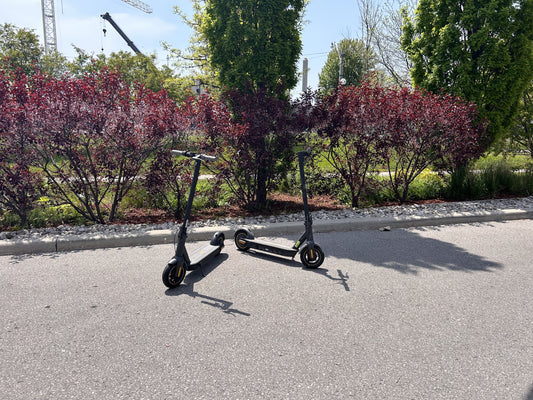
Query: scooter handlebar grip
point(205, 157)
point(182, 153)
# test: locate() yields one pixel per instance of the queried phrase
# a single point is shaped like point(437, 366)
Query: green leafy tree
point(133, 68)
point(139, 68)
point(254, 44)
point(480, 50)
point(54, 64)
point(19, 48)
point(194, 61)
point(358, 61)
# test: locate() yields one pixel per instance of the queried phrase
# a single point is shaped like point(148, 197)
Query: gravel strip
point(418, 210)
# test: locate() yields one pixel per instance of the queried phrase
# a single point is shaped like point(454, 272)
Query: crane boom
point(140, 5)
point(107, 17)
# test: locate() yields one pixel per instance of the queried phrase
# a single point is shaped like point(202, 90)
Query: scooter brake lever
point(205, 157)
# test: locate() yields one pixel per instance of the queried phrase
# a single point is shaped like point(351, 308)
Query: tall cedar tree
point(480, 50)
point(523, 126)
point(254, 43)
point(254, 46)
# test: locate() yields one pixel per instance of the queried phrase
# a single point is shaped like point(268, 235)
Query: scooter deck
point(271, 247)
point(202, 254)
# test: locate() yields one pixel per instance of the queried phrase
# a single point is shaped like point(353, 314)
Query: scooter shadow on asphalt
point(405, 251)
point(187, 287)
point(342, 277)
point(529, 396)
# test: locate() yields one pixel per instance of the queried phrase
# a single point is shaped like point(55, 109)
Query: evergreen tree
point(480, 50)
point(254, 44)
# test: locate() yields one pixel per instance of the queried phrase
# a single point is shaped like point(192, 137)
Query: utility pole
point(305, 71)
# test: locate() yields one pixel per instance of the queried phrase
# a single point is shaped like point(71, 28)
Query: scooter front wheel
point(312, 258)
point(173, 274)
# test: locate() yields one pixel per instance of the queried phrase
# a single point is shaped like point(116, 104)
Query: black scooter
point(311, 254)
point(175, 271)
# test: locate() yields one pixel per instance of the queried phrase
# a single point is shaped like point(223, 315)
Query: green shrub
point(206, 195)
point(497, 179)
point(428, 185)
point(44, 215)
point(464, 184)
point(523, 182)
point(138, 197)
point(376, 191)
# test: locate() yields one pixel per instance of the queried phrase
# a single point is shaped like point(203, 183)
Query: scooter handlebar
point(203, 157)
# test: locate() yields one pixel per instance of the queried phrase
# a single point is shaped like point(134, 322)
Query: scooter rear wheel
point(240, 235)
point(312, 259)
point(173, 275)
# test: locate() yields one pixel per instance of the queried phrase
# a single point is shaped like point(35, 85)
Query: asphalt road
point(421, 313)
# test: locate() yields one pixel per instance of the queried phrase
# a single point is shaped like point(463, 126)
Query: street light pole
point(340, 52)
point(341, 68)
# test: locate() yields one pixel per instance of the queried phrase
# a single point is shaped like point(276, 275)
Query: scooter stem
point(197, 164)
point(307, 214)
point(182, 234)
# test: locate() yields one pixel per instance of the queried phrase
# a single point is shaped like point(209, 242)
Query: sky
point(78, 23)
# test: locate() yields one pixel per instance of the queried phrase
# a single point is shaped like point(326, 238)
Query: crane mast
point(49, 26)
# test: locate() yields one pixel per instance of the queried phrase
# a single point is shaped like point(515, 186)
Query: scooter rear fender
point(218, 239)
point(248, 233)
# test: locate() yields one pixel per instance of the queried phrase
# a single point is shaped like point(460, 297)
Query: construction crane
point(107, 17)
point(140, 5)
point(49, 21)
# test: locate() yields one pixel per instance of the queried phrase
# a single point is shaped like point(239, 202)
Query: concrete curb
point(98, 241)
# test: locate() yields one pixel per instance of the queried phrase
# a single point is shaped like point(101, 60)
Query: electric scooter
point(176, 268)
point(311, 254)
